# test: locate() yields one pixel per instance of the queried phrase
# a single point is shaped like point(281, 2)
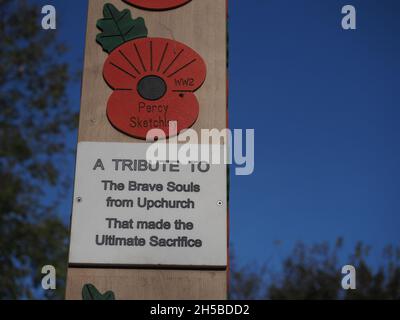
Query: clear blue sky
point(325, 106)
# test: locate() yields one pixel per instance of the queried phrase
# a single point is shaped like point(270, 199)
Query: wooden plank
point(141, 284)
point(201, 25)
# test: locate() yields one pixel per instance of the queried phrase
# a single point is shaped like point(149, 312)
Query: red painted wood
point(182, 69)
point(157, 4)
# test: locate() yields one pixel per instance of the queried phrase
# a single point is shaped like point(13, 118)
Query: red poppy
point(153, 81)
point(157, 4)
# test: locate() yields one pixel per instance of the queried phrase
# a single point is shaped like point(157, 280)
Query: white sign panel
point(128, 211)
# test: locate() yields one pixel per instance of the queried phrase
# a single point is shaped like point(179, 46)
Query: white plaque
point(128, 211)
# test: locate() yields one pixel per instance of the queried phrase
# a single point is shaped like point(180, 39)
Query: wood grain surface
point(200, 24)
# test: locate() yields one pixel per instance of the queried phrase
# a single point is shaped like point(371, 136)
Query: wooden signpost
point(142, 230)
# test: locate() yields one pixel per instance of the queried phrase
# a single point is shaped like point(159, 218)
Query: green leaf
point(89, 292)
point(118, 27)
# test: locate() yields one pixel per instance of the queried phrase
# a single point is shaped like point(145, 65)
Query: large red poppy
point(153, 81)
point(157, 4)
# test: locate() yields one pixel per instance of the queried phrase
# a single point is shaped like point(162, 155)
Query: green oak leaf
point(118, 27)
point(89, 292)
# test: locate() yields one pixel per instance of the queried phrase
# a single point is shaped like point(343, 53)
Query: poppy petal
point(181, 68)
point(119, 70)
point(157, 4)
point(135, 116)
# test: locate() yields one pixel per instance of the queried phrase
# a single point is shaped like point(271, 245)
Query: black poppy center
point(152, 88)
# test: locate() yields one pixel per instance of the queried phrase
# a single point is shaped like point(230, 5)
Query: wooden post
point(201, 25)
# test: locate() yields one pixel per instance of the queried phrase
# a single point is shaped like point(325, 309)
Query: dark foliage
point(314, 273)
point(34, 119)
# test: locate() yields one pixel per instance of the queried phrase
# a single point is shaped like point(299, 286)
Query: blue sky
point(325, 106)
